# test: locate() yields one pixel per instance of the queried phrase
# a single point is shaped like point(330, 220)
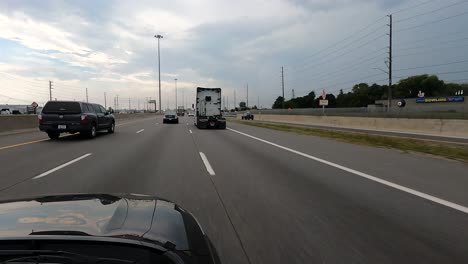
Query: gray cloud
point(223, 44)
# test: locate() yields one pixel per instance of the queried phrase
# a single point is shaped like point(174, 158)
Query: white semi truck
point(208, 108)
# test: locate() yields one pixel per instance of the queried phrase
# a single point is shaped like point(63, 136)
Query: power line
point(435, 65)
point(431, 11)
point(451, 72)
point(438, 36)
point(437, 73)
point(345, 67)
point(432, 22)
point(340, 55)
point(349, 44)
point(342, 71)
point(373, 75)
point(411, 7)
point(17, 99)
point(11, 76)
point(430, 50)
point(441, 42)
point(344, 39)
point(458, 80)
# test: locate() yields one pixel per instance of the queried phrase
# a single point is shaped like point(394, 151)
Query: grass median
point(446, 150)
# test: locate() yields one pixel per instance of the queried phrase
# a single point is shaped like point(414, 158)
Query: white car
point(191, 114)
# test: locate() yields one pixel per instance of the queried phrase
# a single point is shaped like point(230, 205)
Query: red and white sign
point(34, 105)
point(324, 95)
point(323, 102)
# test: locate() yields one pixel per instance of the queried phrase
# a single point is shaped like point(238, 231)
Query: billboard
point(442, 99)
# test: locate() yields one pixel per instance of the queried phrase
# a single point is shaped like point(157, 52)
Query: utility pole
point(175, 80)
point(293, 95)
point(235, 99)
point(105, 100)
point(138, 104)
point(247, 105)
point(159, 70)
point(50, 90)
point(87, 95)
point(118, 106)
point(282, 84)
point(129, 106)
point(258, 102)
point(227, 98)
point(390, 65)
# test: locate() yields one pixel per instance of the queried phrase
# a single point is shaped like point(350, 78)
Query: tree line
point(363, 94)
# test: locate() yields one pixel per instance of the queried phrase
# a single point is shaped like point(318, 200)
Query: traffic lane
point(19, 138)
point(378, 132)
point(436, 176)
point(27, 138)
point(162, 161)
point(287, 208)
point(24, 162)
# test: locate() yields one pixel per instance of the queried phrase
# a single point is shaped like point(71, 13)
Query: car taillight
point(40, 119)
point(84, 119)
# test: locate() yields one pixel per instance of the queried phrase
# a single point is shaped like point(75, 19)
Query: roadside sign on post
point(323, 102)
point(34, 105)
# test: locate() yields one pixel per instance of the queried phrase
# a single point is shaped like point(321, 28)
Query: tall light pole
point(390, 58)
point(159, 70)
point(175, 81)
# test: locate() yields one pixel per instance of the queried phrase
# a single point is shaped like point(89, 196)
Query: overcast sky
point(109, 47)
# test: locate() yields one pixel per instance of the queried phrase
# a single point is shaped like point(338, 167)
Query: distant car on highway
point(170, 117)
point(68, 116)
point(247, 116)
point(191, 114)
point(101, 228)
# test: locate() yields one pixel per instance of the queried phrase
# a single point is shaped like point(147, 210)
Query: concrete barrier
point(439, 127)
point(25, 122)
point(17, 122)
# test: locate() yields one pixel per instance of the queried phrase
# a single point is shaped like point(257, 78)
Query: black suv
point(65, 116)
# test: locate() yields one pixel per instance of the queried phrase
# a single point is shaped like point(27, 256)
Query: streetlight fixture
point(159, 70)
point(175, 80)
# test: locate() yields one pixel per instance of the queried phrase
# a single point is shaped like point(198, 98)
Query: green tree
point(430, 85)
point(278, 103)
point(306, 101)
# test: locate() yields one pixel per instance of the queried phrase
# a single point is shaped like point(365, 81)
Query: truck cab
point(208, 108)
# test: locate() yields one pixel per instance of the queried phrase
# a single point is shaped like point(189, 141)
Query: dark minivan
point(72, 117)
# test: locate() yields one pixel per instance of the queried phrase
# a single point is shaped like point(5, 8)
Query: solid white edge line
point(139, 131)
point(190, 130)
point(207, 164)
point(367, 176)
point(60, 167)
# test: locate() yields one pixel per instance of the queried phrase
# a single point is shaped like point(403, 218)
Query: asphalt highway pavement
point(263, 196)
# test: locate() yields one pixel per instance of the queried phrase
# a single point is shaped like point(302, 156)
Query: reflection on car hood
point(127, 216)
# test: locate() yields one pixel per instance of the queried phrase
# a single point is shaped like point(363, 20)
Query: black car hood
point(123, 216)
